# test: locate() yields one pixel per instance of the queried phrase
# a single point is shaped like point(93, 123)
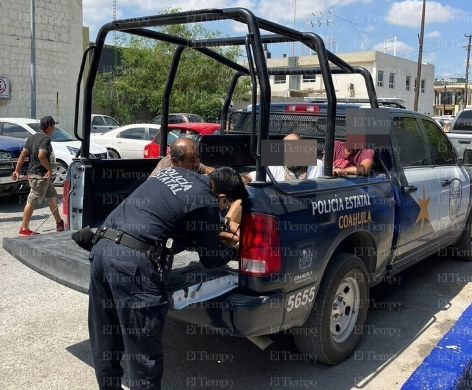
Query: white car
point(127, 141)
point(64, 145)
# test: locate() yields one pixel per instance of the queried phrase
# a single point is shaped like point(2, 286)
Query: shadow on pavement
point(400, 311)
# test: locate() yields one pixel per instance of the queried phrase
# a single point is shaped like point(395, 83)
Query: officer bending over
point(128, 303)
point(183, 153)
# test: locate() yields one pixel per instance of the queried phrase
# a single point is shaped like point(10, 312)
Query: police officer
point(183, 153)
point(127, 300)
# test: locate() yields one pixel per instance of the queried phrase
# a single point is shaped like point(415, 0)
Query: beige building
point(449, 98)
point(59, 47)
point(394, 77)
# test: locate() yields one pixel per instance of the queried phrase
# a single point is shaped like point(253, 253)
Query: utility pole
point(464, 102)
point(294, 5)
point(33, 60)
point(420, 57)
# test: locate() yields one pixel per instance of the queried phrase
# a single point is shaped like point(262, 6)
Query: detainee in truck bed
point(309, 249)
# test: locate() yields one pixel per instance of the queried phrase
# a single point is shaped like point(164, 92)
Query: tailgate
point(59, 258)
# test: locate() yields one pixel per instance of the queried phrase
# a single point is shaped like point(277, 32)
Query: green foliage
point(200, 85)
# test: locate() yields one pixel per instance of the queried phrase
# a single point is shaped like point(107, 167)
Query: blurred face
point(191, 161)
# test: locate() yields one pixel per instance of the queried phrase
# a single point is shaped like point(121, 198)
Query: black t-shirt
point(174, 203)
point(35, 143)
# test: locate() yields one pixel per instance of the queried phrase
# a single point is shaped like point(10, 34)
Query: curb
point(449, 365)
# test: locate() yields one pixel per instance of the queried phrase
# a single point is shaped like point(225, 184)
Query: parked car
point(64, 145)
point(152, 149)
point(179, 118)
point(10, 149)
point(127, 141)
point(103, 123)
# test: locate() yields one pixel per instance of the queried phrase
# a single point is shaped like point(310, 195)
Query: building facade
point(59, 46)
point(449, 98)
point(394, 77)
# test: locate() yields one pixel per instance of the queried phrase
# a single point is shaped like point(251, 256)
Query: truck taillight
point(65, 203)
point(260, 245)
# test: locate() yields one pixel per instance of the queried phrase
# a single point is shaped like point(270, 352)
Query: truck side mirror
point(467, 159)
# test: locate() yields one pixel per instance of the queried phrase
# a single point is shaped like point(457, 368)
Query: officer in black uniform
point(128, 303)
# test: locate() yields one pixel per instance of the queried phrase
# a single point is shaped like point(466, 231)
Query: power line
point(352, 25)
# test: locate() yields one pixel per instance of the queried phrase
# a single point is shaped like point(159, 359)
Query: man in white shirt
point(290, 173)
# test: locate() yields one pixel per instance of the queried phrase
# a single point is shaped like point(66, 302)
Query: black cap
point(46, 121)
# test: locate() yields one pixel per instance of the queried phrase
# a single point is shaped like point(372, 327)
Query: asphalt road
point(44, 338)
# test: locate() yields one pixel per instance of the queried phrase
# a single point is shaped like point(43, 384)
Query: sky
point(354, 25)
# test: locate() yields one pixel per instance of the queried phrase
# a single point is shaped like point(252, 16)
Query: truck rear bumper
point(234, 314)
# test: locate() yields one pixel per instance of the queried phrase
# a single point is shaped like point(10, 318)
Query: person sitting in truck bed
point(281, 173)
point(184, 154)
point(351, 161)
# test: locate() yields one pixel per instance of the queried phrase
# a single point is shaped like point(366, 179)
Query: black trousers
point(127, 312)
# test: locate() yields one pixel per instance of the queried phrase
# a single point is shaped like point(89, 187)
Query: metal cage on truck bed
point(257, 69)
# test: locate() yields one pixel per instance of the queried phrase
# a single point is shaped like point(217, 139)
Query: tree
point(200, 85)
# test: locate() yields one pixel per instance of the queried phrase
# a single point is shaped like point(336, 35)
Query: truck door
point(419, 190)
point(454, 183)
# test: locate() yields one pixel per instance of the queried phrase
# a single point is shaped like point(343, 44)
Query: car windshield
point(59, 135)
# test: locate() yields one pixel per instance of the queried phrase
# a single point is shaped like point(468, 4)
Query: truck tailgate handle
point(408, 189)
point(463, 141)
point(446, 182)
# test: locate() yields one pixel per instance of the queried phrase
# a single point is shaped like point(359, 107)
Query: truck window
point(464, 121)
point(409, 141)
point(109, 121)
point(98, 121)
point(441, 149)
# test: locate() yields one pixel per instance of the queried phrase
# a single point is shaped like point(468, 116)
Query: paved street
point(44, 335)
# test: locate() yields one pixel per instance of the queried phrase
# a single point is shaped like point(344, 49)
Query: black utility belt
point(123, 238)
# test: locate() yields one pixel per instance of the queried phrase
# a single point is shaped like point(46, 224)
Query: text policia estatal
point(342, 204)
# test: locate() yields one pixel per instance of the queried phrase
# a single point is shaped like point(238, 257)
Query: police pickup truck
point(309, 249)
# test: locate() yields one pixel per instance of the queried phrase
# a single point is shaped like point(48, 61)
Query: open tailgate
point(59, 258)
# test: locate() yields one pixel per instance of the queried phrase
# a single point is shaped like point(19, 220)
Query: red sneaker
point(26, 232)
point(60, 226)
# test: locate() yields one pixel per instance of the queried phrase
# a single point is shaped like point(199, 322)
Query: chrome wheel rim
point(345, 309)
point(61, 174)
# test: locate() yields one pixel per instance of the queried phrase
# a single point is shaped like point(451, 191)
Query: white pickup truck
point(460, 132)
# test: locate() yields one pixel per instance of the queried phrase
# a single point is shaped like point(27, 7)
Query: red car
point(176, 131)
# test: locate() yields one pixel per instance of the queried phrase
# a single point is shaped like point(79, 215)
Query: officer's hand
point(15, 175)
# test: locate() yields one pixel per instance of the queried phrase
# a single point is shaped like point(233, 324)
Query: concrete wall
point(372, 61)
point(59, 49)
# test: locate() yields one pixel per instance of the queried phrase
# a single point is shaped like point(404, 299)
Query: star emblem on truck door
point(424, 213)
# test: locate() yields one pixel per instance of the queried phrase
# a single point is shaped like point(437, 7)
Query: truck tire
point(463, 249)
point(334, 327)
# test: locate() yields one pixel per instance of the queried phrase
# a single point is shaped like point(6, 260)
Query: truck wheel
point(334, 327)
point(463, 249)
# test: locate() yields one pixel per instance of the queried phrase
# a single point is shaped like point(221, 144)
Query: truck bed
point(189, 281)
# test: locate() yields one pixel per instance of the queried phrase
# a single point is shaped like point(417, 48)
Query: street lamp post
point(444, 97)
